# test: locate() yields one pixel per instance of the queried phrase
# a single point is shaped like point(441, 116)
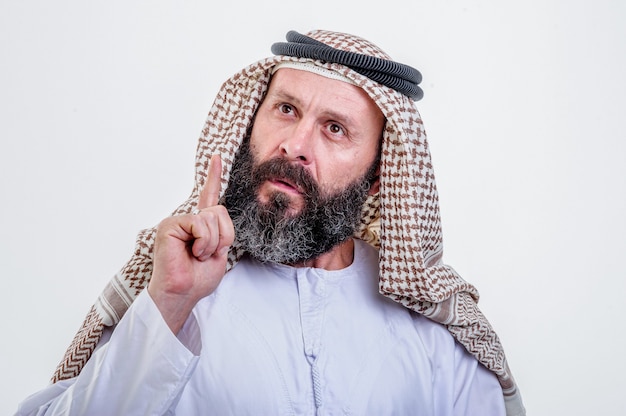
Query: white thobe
point(279, 340)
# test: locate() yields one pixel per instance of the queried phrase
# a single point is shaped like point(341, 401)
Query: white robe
point(278, 340)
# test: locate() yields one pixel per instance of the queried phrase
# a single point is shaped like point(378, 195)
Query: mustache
point(282, 169)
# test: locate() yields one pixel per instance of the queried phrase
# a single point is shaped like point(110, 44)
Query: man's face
point(288, 198)
point(330, 128)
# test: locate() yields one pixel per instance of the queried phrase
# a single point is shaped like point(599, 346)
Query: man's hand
point(190, 253)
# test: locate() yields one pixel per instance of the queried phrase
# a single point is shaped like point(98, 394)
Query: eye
point(336, 129)
point(285, 108)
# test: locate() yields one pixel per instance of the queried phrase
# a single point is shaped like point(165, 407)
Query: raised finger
point(210, 194)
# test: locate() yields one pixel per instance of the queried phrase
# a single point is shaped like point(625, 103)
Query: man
point(263, 294)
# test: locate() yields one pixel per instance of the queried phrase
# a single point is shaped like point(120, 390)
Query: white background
point(101, 104)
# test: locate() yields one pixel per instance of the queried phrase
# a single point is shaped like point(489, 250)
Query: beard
point(269, 232)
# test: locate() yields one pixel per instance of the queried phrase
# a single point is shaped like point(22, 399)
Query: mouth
point(285, 185)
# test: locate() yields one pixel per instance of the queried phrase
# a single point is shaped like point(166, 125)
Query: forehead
point(312, 87)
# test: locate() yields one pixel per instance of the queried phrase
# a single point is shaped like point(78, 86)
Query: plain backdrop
point(101, 104)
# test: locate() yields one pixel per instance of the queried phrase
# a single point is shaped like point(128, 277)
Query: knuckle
point(222, 211)
point(165, 223)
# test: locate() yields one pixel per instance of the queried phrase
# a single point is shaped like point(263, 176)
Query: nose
point(297, 145)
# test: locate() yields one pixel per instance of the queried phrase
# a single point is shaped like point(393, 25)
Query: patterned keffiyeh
point(402, 220)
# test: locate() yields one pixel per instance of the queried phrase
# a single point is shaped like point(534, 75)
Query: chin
point(289, 205)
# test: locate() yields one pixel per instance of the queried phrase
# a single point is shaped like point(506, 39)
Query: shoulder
point(457, 374)
point(434, 335)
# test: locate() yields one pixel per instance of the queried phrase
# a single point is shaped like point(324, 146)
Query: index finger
point(210, 194)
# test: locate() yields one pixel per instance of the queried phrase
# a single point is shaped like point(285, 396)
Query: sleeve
point(142, 369)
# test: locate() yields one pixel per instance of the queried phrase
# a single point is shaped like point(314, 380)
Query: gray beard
point(268, 233)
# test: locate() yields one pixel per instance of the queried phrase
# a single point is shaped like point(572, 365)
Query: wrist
point(175, 309)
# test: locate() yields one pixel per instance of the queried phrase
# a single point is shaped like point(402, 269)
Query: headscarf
point(402, 220)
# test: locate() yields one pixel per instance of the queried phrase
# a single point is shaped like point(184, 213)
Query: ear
point(375, 183)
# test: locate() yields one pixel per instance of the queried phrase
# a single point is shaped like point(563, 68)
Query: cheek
point(258, 147)
point(339, 171)
point(262, 141)
point(334, 172)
